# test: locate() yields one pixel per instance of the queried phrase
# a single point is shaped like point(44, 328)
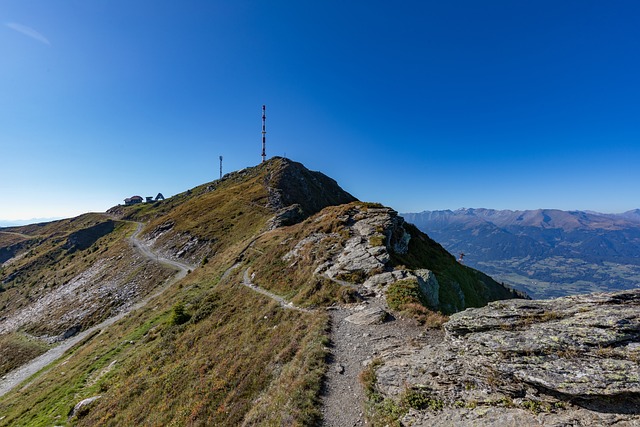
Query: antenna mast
point(220, 167)
point(264, 133)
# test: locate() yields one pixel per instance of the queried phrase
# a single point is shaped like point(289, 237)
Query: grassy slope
point(18, 348)
point(208, 371)
point(477, 287)
point(211, 370)
point(240, 358)
point(47, 266)
point(54, 262)
point(296, 281)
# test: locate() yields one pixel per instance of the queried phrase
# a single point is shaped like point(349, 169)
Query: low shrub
point(179, 315)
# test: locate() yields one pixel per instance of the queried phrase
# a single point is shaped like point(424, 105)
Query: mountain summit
point(216, 306)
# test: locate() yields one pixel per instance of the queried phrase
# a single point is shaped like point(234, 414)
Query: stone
point(81, 408)
point(570, 361)
point(429, 286)
point(288, 215)
point(368, 316)
point(379, 282)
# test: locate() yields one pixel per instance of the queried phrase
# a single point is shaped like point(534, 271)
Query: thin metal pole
point(264, 133)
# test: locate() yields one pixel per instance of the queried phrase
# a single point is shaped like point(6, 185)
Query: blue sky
point(415, 104)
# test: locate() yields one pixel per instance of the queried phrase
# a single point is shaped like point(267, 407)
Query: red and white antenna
point(264, 133)
point(461, 258)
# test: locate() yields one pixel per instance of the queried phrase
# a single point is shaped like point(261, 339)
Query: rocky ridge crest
point(369, 238)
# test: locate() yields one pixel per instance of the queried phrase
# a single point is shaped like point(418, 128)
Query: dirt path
point(353, 347)
point(182, 267)
point(17, 376)
point(246, 280)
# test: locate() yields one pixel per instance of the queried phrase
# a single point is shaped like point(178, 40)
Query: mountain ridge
point(545, 252)
point(208, 349)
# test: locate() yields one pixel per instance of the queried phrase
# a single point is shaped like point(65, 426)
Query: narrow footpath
point(352, 348)
point(246, 280)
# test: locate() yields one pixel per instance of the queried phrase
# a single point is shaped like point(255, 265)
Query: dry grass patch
point(405, 296)
point(17, 349)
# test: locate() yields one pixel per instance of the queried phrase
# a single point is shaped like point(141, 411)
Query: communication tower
point(264, 133)
point(220, 167)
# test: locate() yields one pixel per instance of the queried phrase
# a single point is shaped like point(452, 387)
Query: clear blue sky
point(415, 104)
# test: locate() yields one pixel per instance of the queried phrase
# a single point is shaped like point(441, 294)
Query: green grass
point(404, 292)
point(460, 286)
point(208, 351)
point(212, 369)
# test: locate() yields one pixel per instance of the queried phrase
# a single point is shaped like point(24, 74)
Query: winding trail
point(352, 345)
point(17, 376)
point(183, 268)
point(246, 280)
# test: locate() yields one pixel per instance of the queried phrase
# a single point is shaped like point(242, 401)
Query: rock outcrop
point(370, 247)
point(570, 361)
point(290, 183)
point(368, 316)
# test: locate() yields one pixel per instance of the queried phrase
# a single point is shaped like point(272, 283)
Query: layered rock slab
point(570, 361)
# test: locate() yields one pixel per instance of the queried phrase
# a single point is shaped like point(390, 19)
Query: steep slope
point(368, 245)
point(208, 219)
point(243, 338)
point(63, 277)
point(545, 252)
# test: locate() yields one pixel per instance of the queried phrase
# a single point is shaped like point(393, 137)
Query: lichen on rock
point(570, 361)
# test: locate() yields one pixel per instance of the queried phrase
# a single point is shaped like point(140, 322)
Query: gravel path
point(353, 347)
point(17, 376)
point(246, 280)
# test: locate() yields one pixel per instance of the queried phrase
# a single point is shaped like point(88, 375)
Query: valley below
point(558, 276)
point(546, 253)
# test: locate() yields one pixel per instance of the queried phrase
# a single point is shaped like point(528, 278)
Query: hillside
point(211, 307)
point(546, 252)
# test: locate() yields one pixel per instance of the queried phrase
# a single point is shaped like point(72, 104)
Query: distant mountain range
point(19, 222)
point(545, 252)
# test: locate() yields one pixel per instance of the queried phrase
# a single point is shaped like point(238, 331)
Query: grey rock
point(378, 282)
point(570, 361)
point(429, 286)
point(288, 215)
point(368, 316)
point(489, 416)
point(81, 408)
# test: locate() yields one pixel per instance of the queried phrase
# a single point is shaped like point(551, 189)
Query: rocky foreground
point(572, 361)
